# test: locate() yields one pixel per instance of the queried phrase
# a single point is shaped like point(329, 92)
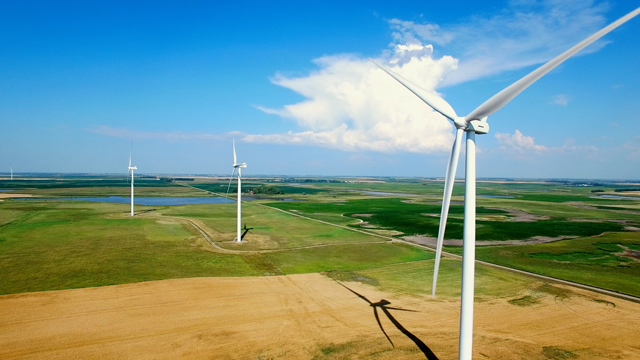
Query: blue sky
point(291, 82)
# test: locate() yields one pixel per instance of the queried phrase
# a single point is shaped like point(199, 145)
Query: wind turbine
point(11, 172)
point(239, 167)
point(472, 124)
point(131, 168)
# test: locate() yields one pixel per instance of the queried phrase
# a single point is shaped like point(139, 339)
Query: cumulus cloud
point(519, 143)
point(353, 105)
point(526, 33)
point(522, 145)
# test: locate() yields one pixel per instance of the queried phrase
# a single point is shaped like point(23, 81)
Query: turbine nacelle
point(477, 126)
point(133, 168)
point(242, 166)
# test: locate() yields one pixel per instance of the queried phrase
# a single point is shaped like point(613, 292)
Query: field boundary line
point(522, 272)
point(253, 252)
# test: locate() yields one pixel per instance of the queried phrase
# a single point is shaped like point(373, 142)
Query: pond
point(151, 201)
point(523, 189)
point(618, 197)
point(497, 196)
point(382, 193)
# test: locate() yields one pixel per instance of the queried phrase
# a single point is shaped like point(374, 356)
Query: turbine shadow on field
point(382, 304)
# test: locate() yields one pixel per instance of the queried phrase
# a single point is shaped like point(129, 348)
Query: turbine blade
point(500, 99)
point(435, 101)
point(446, 201)
point(230, 179)
point(235, 161)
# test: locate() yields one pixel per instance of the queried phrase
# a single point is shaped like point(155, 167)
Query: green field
point(410, 218)
point(62, 244)
point(221, 187)
point(81, 183)
point(597, 261)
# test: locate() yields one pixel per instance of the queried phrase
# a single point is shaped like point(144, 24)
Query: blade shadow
point(382, 304)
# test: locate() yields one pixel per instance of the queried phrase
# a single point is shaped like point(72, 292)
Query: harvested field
point(307, 316)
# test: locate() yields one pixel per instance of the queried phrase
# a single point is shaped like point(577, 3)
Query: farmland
point(337, 239)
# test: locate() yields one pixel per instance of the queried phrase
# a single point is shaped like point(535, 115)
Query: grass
point(272, 229)
point(81, 183)
point(524, 301)
point(592, 261)
point(57, 245)
point(415, 278)
point(409, 219)
point(346, 257)
point(63, 245)
point(221, 187)
point(67, 246)
point(556, 353)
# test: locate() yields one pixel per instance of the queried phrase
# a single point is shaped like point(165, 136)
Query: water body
point(618, 197)
point(151, 201)
point(497, 196)
point(382, 193)
point(6, 189)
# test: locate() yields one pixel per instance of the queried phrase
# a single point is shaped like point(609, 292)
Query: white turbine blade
point(230, 179)
point(446, 201)
point(436, 102)
point(129, 159)
point(500, 99)
point(235, 161)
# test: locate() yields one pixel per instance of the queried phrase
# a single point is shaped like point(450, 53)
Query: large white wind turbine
point(472, 124)
point(131, 168)
point(239, 167)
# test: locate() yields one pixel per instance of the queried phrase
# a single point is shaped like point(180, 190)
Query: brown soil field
point(12, 195)
point(304, 317)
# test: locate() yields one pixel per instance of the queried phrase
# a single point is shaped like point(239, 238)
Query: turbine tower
point(131, 168)
point(472, 124)
point(239, 167)
point(11, 172)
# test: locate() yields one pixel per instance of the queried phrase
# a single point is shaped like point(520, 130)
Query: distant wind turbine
point(239, 167)
point(11, 173)
point(472, 124)
point(131, 168)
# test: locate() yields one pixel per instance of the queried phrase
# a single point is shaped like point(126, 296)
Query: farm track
point(220, 249)
point(444, 253)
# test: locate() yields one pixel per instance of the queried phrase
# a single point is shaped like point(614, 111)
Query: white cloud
point(353, 105)
point(523, 145)
point(519, 143)
point(561, 100)
point(524, 34)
